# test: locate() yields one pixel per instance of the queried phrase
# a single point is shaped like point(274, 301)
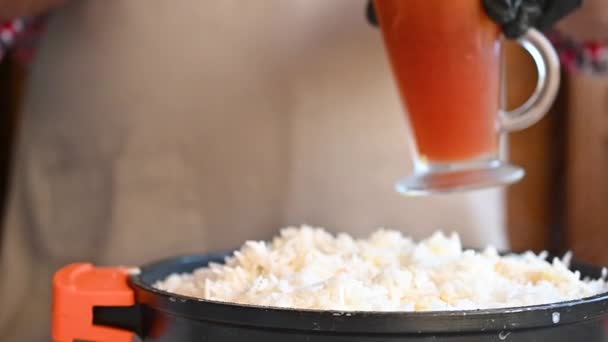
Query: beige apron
point(161, 127)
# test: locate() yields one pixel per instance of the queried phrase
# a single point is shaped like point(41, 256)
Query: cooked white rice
point(308, 268)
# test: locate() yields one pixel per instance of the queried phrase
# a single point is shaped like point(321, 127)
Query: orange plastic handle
point(77, 288)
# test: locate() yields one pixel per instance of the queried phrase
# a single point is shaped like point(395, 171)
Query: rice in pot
point(309, 268)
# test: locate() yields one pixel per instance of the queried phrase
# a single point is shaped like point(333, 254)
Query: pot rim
point(374, 322)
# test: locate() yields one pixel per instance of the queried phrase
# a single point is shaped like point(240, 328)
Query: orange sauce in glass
point(446, 58)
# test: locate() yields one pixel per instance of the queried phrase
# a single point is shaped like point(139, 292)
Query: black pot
point(108, 305)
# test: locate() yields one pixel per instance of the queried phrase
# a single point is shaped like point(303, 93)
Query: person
point(154, 128)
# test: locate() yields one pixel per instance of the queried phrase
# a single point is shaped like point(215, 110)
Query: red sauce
point(446, 58)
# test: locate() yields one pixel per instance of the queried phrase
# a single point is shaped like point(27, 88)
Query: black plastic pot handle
point(126, 318)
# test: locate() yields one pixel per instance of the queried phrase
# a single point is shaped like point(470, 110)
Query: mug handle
point(80, 292)
point(547, 87)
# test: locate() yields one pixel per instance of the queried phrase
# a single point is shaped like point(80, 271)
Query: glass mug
point(446, 57)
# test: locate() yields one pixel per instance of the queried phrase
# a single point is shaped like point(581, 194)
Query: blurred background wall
point(562, 203)
point(535, 205)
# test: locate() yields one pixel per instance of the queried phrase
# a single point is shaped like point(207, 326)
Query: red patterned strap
point(9, 32)
point(589, 57)
point(20, 37)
